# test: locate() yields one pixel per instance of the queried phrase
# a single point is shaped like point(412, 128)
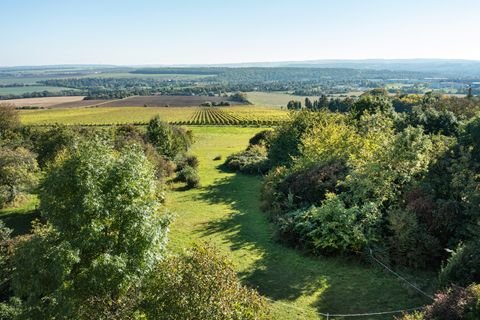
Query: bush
point(200, 285)
point(169, 140)
point(455, 304)
point(18, 173)
point(190, 176)
point(332, 227)
point(9, 119)
point(410, 244)
point(47, 144)
point(253, 161)
point(217, 158)
point(262, 138)
point(463, 267)
point(189, 160)
point(288, 190)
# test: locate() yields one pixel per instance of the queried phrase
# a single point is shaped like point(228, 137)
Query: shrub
point(455, 304)
point(169, 140)
point(190, 176)
point(47, 144)
point(9, 118)
point(463, 267)
point(262, 138)
point(189, 160)
point(332, 227)
point(410, 244)
point(200, 285)
point(288, 190)
point(253, 161)
point(127, 134)
point(217, 158)
point(18, 173)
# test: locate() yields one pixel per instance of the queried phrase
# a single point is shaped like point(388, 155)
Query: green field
point(114, 115)
point(276, 99)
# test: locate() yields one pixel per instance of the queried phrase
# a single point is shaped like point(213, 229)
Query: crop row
point(216, 116)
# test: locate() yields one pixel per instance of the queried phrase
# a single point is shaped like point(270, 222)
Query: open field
point(162, 101)
point(46, 102)
point(241, 115)
point(225, 212)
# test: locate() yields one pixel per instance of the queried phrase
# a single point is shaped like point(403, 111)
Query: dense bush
point(169, 140)
point(200, 285)
point(48, 143)
point(187, 160)
point(189, 176)
point(332, 227)
point(253, 160)
point(262, 138)
point(18, 173)
point(455, 303)
point(301, 187)
point(9, 119)
point(463, 267)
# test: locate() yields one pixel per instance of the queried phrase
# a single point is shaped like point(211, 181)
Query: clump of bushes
point(189, 176)
point(252, 161)
point(455, 303)
point(200, 285)
point(463, 267)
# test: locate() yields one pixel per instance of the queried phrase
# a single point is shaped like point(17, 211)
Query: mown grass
point(225, 211)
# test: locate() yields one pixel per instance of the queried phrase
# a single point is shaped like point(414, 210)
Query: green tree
point(169, 141)
point(9, 119)
point(18, 173)
point(104, 233)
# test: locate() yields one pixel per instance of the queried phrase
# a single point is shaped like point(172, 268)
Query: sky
point(148, 32)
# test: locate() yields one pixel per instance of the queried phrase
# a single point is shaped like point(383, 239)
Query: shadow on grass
point(20, 221)
point(282, 273)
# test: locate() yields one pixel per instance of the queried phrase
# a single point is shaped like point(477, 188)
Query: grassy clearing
point(225, 212)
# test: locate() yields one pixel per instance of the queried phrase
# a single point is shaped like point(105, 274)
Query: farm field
point(46, 102)
point(280, 99)
point(245, 115)
point(162, 101)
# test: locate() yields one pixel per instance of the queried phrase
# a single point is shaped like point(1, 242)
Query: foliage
point(285, 144)
point(372, 103)
point(169, 141)
point(190, 176)
point(104, 231)
point(463, 267)
point(455, 304)
point(434, 121)
point(301, 187)
point(9, 119)
point(253, 160)
point(18, 173)
point(332, 227)
point(200, 285)
point(47, 144)
point(262, 138)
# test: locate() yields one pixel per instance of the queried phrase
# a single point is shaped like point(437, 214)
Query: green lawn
point(225, 212)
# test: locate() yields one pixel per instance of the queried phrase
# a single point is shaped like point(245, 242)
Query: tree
point(372, 104)
point(470, 94)
point(169, 141)
point(9, 118)
point(18, 173)
point(200, 285)
point(104, 233)
point(308, 104)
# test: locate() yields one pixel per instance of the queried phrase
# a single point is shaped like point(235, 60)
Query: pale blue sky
point(35, 32)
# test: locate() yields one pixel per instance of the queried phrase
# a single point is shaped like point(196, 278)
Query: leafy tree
point(200, 285)
point(18, 173)
point(9, 119)
point(372, 104)
point(104, 232)
point(169, 141)
point(47, 144)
